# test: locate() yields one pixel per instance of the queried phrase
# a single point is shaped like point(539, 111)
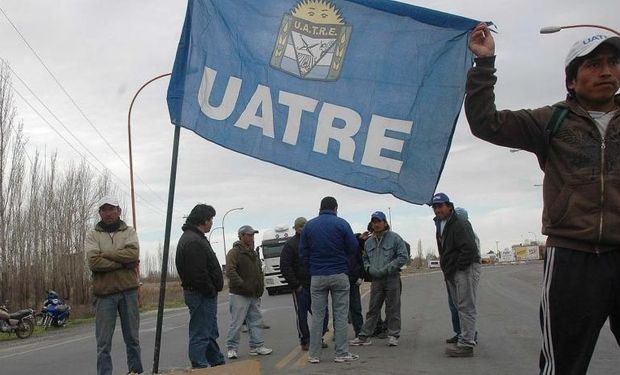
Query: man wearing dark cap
point(201, 279)
point(325, 245)
point(298, 280)
point(113, 255)
point(384, 254)
point(460, 262)
point(246, 286)
point(577, 143)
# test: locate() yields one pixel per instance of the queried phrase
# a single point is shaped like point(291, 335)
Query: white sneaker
point(261, 350)
point(314, 360)
point(392, 341)
point(350, 357)
point(360, 341)
point(232, 353)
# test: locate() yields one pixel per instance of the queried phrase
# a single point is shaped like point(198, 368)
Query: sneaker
point(232, 353)
point(244, 328)
point(261, 350)
point(314, 359)
point(349, 357)
point(453, 340)
point(264, 326)
point(392, 341)
point(305, 347)
point(360, 341)
point(324, 344)
point(459, 351)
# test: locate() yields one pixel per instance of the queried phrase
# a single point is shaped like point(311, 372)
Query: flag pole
point(164, 262)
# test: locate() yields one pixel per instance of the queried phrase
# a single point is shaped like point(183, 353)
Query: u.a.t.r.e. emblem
point(312, 41)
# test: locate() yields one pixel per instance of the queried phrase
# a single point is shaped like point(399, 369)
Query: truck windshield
point(272, 251)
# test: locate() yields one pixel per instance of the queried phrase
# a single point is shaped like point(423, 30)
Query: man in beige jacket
point(113, 255)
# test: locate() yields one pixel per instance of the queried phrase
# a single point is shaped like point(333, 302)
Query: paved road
point(508, 327)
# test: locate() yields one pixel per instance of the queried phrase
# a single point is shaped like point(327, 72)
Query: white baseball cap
point(585, 46)
point(109, 200)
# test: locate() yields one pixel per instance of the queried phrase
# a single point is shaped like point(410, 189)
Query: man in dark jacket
point(298, 280)
point(581, 190)
point(460, 263)
point(201, 279)
point(325, 245)
point(246, 285)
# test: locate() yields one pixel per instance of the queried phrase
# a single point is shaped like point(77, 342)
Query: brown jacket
point(581, 188)
point(106, 253)
point(244, 271)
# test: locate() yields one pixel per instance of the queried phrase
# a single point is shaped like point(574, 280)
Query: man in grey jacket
point(385, 253)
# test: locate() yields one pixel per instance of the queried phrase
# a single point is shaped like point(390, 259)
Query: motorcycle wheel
point(24, 328)
point(47, 320)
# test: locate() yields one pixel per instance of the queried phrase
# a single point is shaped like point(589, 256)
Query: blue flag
point(365, 93)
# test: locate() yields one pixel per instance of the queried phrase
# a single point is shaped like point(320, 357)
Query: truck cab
point(273, 242)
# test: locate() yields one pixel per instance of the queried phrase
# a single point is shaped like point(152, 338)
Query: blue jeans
point(203, 348)
point(320, 288)
point(125, 304)
point(303, 306)
point(248, 309)
point(355, 308)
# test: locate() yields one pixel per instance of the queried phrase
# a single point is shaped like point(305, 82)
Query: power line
point(146, 202)
point(74, 102)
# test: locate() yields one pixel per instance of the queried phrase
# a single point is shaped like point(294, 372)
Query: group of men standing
point(325, 258)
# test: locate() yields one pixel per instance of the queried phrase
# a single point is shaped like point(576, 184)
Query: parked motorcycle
point(21, 322)
point(55, 311)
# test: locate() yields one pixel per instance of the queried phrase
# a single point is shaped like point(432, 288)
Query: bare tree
point(44, 216)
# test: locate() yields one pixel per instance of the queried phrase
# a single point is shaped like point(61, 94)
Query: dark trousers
point(384, 290)
point(303, 306)
point(355, 308)
point(454, 314)
point(580, 291)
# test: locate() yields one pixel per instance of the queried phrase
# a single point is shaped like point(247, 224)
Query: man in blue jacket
point(325, 245)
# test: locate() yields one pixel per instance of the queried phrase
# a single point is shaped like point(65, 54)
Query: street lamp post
point(555, 29)
point(223, 230)
point(213, 230)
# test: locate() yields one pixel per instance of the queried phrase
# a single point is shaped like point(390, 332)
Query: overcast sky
point(103, 51)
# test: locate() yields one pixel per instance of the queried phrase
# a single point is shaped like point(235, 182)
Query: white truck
point(273, 242)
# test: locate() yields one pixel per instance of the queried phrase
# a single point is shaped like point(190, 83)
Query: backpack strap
point(558, 115)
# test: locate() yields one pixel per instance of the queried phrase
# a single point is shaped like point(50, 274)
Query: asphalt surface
point(509, 336)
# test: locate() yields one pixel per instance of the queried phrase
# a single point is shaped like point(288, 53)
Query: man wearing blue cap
point(460, 263)
point(576, 142)
point(385, 253)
